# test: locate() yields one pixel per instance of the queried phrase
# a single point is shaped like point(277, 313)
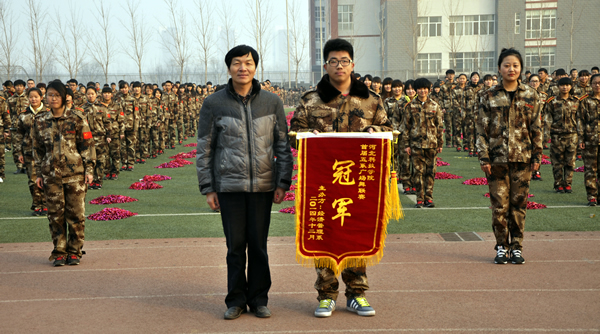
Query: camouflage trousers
point(187, 122)
point(404, 172)
point(562, 156)
point(162, 135)
point(590, 176)
point(113, 158)
point(546, 124)
point(457, 121)
point(180, 129)
point(37, 194)
point(154, 143)
point(509, 188)
point(128, 149)
point(448, 127)
point(469, 134)
point(2, 161)
point(66, 212)
point(425, 165)
point(355, 279)
point(141, 151)
point(172, 132)
point(14, 152)
point(101, 159)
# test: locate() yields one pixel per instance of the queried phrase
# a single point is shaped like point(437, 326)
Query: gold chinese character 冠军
point(341, 208)
point(342, 172)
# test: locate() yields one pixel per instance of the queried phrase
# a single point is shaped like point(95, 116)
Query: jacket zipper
point(248, 121)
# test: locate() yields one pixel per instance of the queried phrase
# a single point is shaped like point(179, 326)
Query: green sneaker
point(326, 306)
point(361, 306)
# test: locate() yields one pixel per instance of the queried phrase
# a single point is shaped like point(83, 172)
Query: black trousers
point(246, 218)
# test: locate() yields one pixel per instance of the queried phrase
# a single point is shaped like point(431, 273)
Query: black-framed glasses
point(334, 62)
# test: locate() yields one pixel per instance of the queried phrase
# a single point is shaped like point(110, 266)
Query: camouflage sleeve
point(440, 127)
point(120, 119)
point(19, 135)
point(406, 125)
point(536, 133)
point(107, 123)
point(136, 116)
point(380, 121)
point(5, 117)
point(300, 121)
point(483, 126)
point(86, 148)
point(397, 117)
point(581, 121)
point(39, 149)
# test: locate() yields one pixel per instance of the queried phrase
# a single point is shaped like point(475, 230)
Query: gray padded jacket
point(237, 143)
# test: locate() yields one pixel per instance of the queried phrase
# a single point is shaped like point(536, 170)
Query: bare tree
point(226, 16)
point(8, 39)
point(298, 36)
point(138, 33)
point(71, 51)
point(203, 33)
point(454, 42)
point(42, 45)
point(414, 41)
point(574, 27)
point(102, 40)
point(175, 39)
point(261, 16)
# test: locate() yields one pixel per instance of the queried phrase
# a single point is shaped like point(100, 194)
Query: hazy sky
point(156, 17)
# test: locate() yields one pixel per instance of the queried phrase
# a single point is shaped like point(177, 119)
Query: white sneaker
point(326, 306)
point(1, 180)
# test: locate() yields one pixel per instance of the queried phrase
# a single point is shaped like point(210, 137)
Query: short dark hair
point(123, 84)
point(106, 90)
point(565, 81)
point(60, 88)
point(584, 73)
point(450, 71)
point(210, 83)
point(510, 52)
point(594, 76)
point(238, 51)
point(30, 80)
point(533, 76)
point(19, 82)
point(34, 89)
point(90, 87)
point(157, 90)
point(41, 85)
point(73, 80)
point(488, 77)
point(423, 83)
point(474, 73)
point(573, 69)
point(561, 71)
point(337, 44)
point(528, 72)
point(7, 83)
point(397, 83)
point(596, 68)
point(368, 76)
point(70, 93)
point(136, 84)
point(409, 83)
point(377, 79)
point(543, 70)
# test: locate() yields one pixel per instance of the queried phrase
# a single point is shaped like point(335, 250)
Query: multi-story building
point(410, 38)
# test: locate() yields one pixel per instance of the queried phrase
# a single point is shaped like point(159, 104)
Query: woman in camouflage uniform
point(24, 148)
point(588, 130)
point(64, 165)
point(509, 143)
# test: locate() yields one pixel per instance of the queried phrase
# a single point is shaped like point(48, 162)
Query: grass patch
point(181, 196)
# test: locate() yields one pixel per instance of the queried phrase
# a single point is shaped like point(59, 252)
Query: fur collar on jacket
point(327, 92)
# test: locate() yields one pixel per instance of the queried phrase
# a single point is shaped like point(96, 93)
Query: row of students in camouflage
point(588, 129)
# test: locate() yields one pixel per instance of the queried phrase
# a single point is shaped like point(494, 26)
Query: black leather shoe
point(18, 171)
point(234, 312)
point(261, 312)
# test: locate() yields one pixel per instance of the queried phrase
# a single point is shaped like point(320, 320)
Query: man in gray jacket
point(244, 164)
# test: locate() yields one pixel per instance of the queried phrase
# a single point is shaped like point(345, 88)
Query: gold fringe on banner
point(392, 210)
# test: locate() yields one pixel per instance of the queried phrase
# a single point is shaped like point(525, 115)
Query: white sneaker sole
point(361, 313)
point(323, 314)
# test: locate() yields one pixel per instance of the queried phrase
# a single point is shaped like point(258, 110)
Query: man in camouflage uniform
point(509, 144)
point(16, 105)
point(141, 152)
point(340, 104)
point(64, 163)
point(589, 139)
point(394, 107)
point(115, 130)
point(99, 123)
point(471, 105)
point(79, 99)
point(561, 111)
point(544, 81)
point(131, 124)
point(169, 100)
point(459, 104)
point(5, 124)
point(446, 89)
point(181, 114)
point(423, 139)
point(583, 86)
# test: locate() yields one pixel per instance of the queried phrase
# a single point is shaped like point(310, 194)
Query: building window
point(319, 13)
point(540, 24)
point(429, 26)
point(536, 58)
point(322, 35)
point(472, 61)
point(429, 63)
point(345, 17)
point(517, 23)
point(472, 25)
point(318, 57)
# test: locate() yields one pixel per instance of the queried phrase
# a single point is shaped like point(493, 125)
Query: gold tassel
point(394, 199)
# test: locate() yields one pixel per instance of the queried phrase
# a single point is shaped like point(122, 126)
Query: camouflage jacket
point(144, 112)
point(588, 120)
point(5, 121)
point(24, 144)
point(180, 112)
point(62, 147)
point(325, 109)
point(545, 86)
point(471, 99)
point(395, 111)
point(131, 112)
point(580, 91)
point(437, 97)
point(79, 99)
point(446, 90)
point(156, 113)
point(98, 121)
point(423, 125)
point(562, 114)
point(509, 131)
point(116, 117)
point(459, 98)
point(169, 102)
point(16, 105)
